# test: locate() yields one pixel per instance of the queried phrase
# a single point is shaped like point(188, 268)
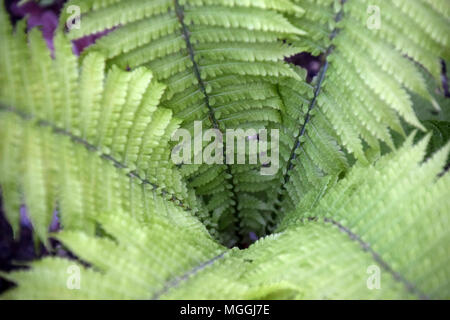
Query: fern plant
point(201, 49)
point(89, 139)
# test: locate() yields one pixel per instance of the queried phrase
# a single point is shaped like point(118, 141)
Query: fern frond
point(113, 115)
point(326, 252)
point(310, 153)
point(191, 46)
point(364, 89)
point(361, 95)
point(128, 264)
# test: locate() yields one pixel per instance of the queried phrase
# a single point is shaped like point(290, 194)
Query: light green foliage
point(368, 86)
point(325, 253)
point(112, 117)
point(220, 61)
point(89, 139)
point(134, 262)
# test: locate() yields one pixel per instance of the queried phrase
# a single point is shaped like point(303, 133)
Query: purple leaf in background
point(307, 61)
point(44, 17)
point(47, 19)
point(80, 44)
point(55, 225)
point(253, 237)
point(24, 219)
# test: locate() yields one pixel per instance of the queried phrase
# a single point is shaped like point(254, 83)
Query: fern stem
point(301, 133)
point(297, 143)
point(410, 287)
point(186, 35)
point(176, 282)
point(95, 149)
point(212, 117)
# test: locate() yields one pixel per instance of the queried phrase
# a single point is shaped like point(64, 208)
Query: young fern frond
point(114, 117)
point(364, 88)
point(49, 169)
